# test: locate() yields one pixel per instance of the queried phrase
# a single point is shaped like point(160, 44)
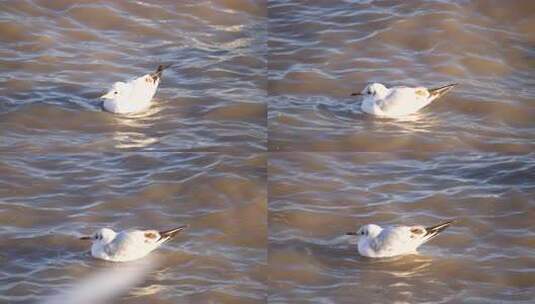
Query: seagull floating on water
point(377, 242)
point(134, 95)
point(127, 245)
point(398, 101)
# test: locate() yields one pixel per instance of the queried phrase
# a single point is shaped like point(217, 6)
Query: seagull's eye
point(115, 92)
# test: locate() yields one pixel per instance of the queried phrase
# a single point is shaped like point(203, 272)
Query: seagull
point(377, 242)
point(398, 101)
point(134, 95)
point(127, 245)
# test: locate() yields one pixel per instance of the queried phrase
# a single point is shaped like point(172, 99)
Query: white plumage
point(127, 245)
point(398, 101)
point(132, 96)
point(377, 242)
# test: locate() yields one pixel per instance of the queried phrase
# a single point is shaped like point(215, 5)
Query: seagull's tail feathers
point(431, 232)
point(435, 93)
point(169, 234)
point(158, 74)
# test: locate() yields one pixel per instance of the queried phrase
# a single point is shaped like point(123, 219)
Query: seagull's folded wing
point(142, 91)
point(392, 239)
point(402, 101)
point(122, 244)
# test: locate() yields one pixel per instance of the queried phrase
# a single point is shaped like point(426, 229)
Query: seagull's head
point(375, 90)
point(104, 236)
point(366, 231)
point(116, 91)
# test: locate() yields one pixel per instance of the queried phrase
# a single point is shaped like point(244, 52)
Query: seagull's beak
point(86, 238)
point(108, 95)
point(351, 233)
point(356, 94)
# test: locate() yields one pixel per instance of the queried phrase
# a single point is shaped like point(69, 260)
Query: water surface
point(485, 257)
point(57, 57)
point(322, 51)
point(47, 202)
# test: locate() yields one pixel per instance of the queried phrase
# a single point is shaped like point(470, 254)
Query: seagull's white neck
point(381, 94)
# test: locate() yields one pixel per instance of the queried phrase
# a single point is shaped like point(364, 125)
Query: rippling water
point(249, 76)
point(47, 202)
point(485, 257)
point(321, 51)
point(57, 57)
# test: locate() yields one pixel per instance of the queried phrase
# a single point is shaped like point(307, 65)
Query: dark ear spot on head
point(417, 231)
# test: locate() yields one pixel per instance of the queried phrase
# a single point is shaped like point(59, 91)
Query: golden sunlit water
point(57, 58)
point(254, 141)
point(322, 51)
point(485, 256)
point(48, 202)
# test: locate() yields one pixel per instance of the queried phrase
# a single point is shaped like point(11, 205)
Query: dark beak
point(351, 233)
point(356, 94)
point(86, 238)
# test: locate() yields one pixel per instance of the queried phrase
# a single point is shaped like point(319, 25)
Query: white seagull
point(398, 101)
point(134, 95)
point(127, 245)
point(377, 242)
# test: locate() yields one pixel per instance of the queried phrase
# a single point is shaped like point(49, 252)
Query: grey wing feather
point(379, 243)
point(158, 74)
point(121, 242)
point(388, 101)
point(397, 99)
point(387, 239)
